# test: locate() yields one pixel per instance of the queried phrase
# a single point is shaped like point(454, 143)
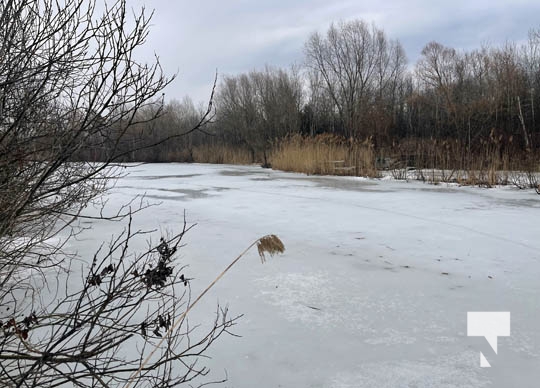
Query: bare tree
point(175, 117)
point(437, 70)
point(357, 64)
point(70, 87)
point(257, 108)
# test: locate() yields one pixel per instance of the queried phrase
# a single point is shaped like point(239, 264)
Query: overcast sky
point(196, 37)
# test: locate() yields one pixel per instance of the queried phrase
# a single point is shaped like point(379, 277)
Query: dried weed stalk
point(270, 244)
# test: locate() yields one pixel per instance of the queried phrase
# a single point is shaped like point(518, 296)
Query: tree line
point(356, 83)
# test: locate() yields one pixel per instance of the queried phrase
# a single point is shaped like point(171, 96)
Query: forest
point(355, 100)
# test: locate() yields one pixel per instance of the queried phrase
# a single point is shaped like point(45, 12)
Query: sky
point(195, 38)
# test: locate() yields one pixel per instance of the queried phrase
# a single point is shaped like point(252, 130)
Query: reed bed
point(221, 154)
point(324, 155)
point(491, 162)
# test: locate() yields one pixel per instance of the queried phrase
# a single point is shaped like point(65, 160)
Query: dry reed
point(221, 154)
point(491, 161)
point(324, 155)
point(270, 244)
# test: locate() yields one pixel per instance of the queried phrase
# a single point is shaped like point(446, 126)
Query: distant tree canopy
point(359, 71)
point(355, 82)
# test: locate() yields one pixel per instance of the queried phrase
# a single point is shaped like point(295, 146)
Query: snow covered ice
point(376, 282)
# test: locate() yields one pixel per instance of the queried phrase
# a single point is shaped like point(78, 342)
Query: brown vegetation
point(221, 154)
point(429, 160)
point(324, 154)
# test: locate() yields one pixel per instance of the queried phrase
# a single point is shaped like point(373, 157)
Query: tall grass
point(324, 155)
point(492, 161)
point(489, 163)
point(221, 154)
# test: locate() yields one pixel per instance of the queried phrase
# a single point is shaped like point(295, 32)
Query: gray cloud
point(196, 38)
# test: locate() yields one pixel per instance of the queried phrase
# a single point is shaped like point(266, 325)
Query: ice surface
point(376, 282)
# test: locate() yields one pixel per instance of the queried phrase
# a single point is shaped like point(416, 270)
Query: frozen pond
point(376, 282)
